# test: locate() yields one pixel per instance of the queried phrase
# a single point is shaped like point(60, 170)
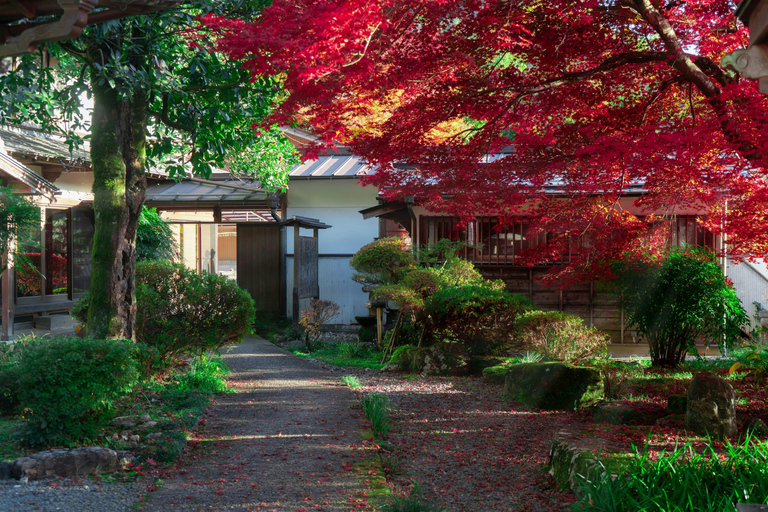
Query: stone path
point(287, 440)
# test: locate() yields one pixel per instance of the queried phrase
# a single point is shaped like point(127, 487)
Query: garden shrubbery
point(560, 336)
point(679, 299)
point(478, 315)
point(182, 313)
point(67, 387)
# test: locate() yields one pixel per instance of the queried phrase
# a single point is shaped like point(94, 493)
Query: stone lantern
point(752, 62)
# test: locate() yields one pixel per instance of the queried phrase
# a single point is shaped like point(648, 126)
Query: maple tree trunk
point(118, 155)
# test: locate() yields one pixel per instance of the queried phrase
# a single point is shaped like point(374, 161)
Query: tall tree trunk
point(118, 155)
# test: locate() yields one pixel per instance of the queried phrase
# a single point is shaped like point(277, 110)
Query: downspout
point(274, 202)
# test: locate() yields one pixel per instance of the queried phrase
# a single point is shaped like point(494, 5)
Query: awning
point(192, 193)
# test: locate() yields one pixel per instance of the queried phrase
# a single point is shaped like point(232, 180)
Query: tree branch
point(610, 63)
point(163, 118)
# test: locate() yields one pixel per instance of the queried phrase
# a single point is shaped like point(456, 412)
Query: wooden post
point(378, 327)
point(296, 264)
point(9, 291)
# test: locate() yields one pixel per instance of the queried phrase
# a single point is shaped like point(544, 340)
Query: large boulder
point(554, 386)
point(711, 407)
point(448, 358)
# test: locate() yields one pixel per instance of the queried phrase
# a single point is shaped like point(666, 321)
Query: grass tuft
point(352, 381)
point(377, 408)
point(683, 480)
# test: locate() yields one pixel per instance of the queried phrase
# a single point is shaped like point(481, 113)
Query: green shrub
point(383, 261)
point(377, 408)
point(181, 313)
point(10, 355)
point(67, 387)
point(365, 335)
point(154, 239)
point(560, 336)
point(9, 389)
point(478, 315)
point(675, 302)
point(408, 358)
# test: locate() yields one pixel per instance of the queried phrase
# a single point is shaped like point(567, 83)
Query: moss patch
point(495, 374)
point(554, 386)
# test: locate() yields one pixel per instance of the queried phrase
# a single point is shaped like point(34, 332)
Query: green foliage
point(10, 437)
point(154, 239)
point(67, 387)
point(182, 312)
point(478, 315)
point(683, 481)
point(408, 358)
point(203, 103)
point(560, 336)
point(365, 335)
point(377, 409)
point(18, 215)
point(319, 313)
point(675, 302)
point(381, 262)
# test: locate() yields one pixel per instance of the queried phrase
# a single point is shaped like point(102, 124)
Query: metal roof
point(331, 167)
point(33, 143)
point(206, 193)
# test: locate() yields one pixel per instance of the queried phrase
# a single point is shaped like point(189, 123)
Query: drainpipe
point(274, 203)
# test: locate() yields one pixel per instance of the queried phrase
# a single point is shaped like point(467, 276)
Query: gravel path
point(67, 495)
point(287, 440)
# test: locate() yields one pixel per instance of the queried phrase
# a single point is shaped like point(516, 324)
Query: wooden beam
point(25, 7)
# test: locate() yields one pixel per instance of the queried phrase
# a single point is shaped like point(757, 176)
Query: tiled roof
point(31, 143)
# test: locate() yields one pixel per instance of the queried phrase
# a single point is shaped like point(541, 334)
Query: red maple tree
point(577, 100)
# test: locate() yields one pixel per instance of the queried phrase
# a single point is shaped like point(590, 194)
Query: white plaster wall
point(750, 280)
point(338, 203)
point(76, 181)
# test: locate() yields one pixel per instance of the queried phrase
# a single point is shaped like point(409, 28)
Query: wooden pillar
point(9, 291)
point(296, 265)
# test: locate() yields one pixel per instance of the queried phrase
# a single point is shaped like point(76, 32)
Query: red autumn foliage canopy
point(579, 97)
